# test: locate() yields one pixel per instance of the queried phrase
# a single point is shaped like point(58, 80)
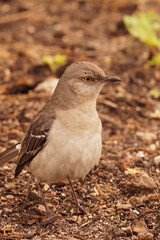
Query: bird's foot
point(80, 208)
point(49, 212)
point(49, 219)
point(50, 216)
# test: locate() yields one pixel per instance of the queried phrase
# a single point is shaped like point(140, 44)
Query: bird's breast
point(73, 149)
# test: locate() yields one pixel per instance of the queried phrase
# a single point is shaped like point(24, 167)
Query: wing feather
point(36, 137)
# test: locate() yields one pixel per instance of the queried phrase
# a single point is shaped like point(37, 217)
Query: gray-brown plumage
point(64, 139)
point(36, 136)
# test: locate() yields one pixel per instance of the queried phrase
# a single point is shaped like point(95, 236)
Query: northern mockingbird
point(63, 142)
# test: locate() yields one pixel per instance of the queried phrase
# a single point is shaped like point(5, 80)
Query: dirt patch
point(121, 196)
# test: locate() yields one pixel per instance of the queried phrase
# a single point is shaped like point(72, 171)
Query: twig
point(24, 96)
point(19, 16)
point(107, 103)
point(139, 149)
point(110, 119)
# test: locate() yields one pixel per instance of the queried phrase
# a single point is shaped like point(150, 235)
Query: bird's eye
point(87, 79)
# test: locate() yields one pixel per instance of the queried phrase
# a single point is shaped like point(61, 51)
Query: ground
point(121, 195)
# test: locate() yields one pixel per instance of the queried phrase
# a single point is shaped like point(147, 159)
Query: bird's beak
point(112, 79)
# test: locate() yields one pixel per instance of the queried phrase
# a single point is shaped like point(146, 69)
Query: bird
point(64, 140)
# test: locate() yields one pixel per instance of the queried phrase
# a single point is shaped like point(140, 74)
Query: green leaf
point(144, 26)
point(54, 62)
point(60, 59)
point(155, 92)
point(155, 60)
point(48, 60)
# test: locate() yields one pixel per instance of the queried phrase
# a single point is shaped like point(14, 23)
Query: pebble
point(157, 160)
point(9, 185)
point(3, 198)
point(9, 196)
point(135, 211)
point(110, 165)
point(95, 191)
point(46, 187)
point(31, 221)
point(41, 208)
point(140, 154)
point(140, 227)
point(141, 179)
point(147, 137)
point(145, 236)
point(152, 147)
point(47, 86)
point(124, 206)
point(33, 196)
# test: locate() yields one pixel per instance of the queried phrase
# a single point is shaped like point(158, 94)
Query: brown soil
point(122, 195)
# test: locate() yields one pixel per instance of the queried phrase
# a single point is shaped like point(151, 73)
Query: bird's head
point(86, 79)
point(81, 81)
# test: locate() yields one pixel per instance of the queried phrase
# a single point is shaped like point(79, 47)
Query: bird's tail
point(9, 153)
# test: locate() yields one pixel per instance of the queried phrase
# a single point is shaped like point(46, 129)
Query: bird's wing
point(36, 137)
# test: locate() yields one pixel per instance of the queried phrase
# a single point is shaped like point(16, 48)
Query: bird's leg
point(48, 211)
point(78, 206)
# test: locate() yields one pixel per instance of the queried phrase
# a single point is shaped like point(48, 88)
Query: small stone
point(41, 208)
point(140, 227)
point(31, 29)
point(72, 211)
point(5, 8)
point(135, 211)
point(147, 137)
point(47, 86)
point(157, 160)
point(13, 141)
point(120, 233)
point(96, 191)
point(124, 206)
point(3, 198)
point(31, 221)
point(143, 180)
point(74, 217)
point(140, 154)
point(33, 196)
point(29, 115)
point(115, 142)
point(110, 165)
point(50, 205)
point(9, 185)
point(46, 187)
point(152, 147)
point(9, 196)
point(145, 236)
point(126, 229)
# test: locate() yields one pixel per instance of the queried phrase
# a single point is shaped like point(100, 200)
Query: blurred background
point(38, 39)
